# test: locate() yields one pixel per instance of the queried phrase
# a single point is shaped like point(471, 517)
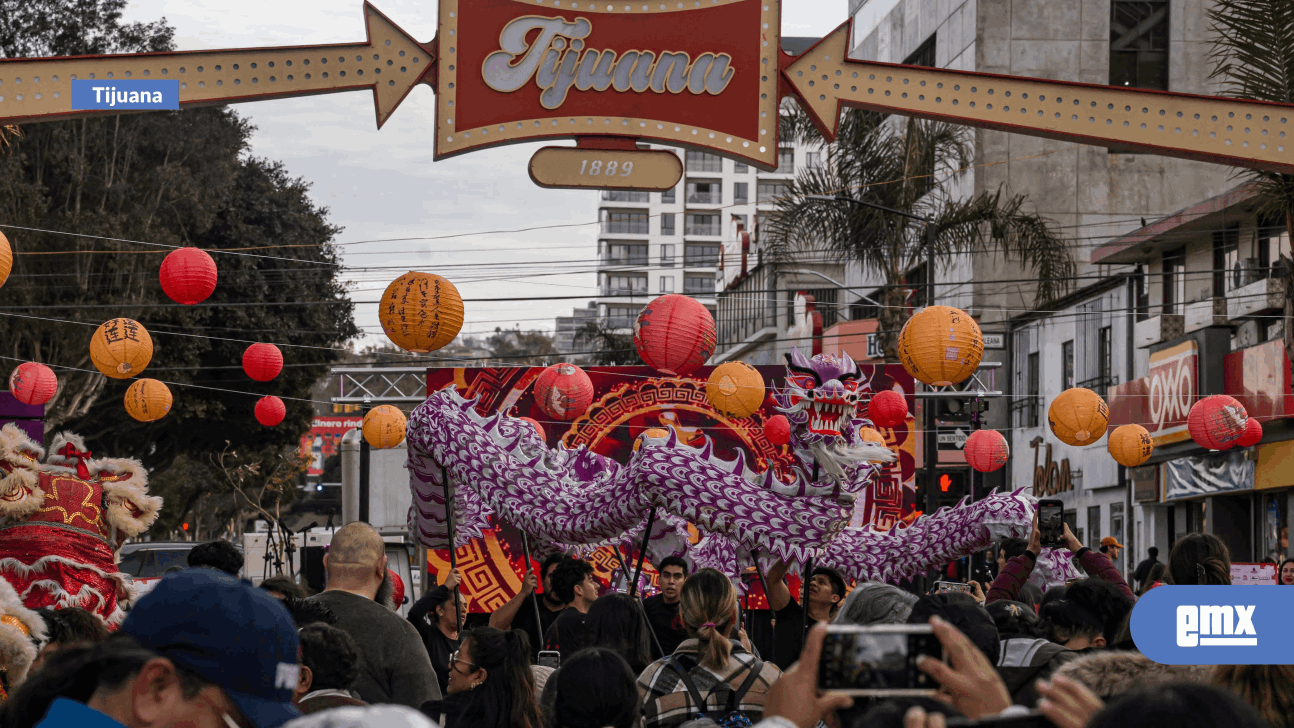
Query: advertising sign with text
point(1161, 400)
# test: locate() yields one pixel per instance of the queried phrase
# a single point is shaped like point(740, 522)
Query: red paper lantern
point(778, 429)
point(674, 334)
point(1253, 433)
point(986, 450)
point(538, 427)
point(270, 411)
point(563, 391)
point(32, 383)
point(262, 362)
point(887, 409)
point(1217, 422)
point(188, 275)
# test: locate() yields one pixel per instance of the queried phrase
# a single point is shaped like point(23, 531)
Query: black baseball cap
point(227, 632)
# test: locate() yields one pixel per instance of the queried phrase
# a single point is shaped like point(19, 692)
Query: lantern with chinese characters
point(262, 362)
point(1130, 445)
point(148, 400)
point(888, 408)
point(941, 346)
point(421, 312)
point(986, 450)
point(1078, 416)
point(33, 383)
point(270, 411)
point(188, 275)
point(650, 432)
point(563, 391)
point(1217, 422)
point(778, 429)
point(6, 259)
point(538, 427)
point(1253, 433)
point(736, 389)
point(384, 427)
point(674, 334)
point(121, 348)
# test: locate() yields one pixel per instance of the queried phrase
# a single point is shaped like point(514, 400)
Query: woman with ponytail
point(490, 683)
point(1199, 558)
point(710, 674)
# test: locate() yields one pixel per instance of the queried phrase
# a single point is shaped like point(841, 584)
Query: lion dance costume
point(62, 519)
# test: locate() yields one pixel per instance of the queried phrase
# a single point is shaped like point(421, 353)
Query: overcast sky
point(383, 184)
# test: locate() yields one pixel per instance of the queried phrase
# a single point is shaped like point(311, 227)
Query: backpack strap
point(673, 664)
point(734, 697)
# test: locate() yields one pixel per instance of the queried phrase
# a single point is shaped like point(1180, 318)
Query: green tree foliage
point(607, 346)
point(518, 348)
point(912, 166)
point(182, 178)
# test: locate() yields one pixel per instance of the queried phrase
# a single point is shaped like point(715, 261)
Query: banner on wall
point(627, 401)
point(324, 439)
point(1195, 476)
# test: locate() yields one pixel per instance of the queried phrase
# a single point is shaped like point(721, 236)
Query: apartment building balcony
point(1265, 294)
point(699, 285)
point(626, 196)
point(616, 258)
point(1206, 313)
point(1164, 327)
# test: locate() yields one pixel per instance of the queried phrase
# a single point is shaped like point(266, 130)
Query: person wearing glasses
point(490, 683)
point(201, 649)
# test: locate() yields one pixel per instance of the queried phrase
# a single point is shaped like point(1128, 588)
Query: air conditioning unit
point(1246, 335)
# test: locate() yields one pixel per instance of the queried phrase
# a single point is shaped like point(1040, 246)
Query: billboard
point(324, 440)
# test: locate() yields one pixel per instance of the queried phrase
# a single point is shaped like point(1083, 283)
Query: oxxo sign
point(1161, 401)
point(1214, 625)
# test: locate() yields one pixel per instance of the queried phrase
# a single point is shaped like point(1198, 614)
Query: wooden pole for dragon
point(453, 558)
point(534, 600)
point(642, 552)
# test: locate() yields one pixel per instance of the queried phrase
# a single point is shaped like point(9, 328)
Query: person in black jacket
point(490, 683)
point(436, 620)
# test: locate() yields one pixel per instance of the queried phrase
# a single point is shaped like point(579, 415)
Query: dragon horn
point(739, 464)
point(795, 358)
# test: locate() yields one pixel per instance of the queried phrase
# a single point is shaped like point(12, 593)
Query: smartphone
point(550, 658)
point(943, 587)
point(1051, 522)
point(878, 660)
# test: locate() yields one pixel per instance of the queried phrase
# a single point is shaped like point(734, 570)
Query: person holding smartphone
point(1016, 573)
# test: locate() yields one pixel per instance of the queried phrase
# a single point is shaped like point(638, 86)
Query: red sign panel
point(1260, 378)
point(1161, 400)
point(324, 439)
point(696, 74)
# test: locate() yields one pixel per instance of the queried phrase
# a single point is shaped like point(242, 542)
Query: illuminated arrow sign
point(389, 62)
point(1243, 133)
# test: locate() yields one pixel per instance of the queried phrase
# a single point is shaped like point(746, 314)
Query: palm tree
point(1253, 58)
point(908, 166)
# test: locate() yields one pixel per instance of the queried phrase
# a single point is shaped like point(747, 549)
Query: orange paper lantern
point(121, 348)
point(6, 259)
point(421, 312)
point(563, 391)
point(735, 388)
point(33, 383)
point(941, 346)
point(674, 334)
point(650, 432)
point(270, 411)
point(188, 275)
point(986, 450)
point(1217, 422)
point(778, 429)
point(148, 400)
point(888, 408)
point(262, 362)
point(384, 427)
point(1253, 433)
point(1078, 416)
point(1130, 445)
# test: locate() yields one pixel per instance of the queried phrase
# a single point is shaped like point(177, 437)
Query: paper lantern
point(986, 450)
point(384, 427)
point(148, 400)
point(735, 388)
point(871, 434)
point(270, 411)
point(941, 346)
point(421, 312)
point(650, 432)
point(563, 391)
point(1253, 433)
point(188, 275)
point(778, 429)
point(1130, 445)
point(262, 362)
point(6, 259)
point(1217, 422)
point(1078, 416)
point(121, 348)
point(538, 427)
point(33, 383)
point(887, 409)
point(674, 334)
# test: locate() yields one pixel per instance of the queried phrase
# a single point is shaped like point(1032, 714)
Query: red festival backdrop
point(324, 440)
point(627, 401)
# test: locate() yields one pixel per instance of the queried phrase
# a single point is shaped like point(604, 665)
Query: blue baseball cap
point(227, 632)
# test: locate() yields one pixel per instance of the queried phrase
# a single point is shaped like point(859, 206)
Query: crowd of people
point(205, 648)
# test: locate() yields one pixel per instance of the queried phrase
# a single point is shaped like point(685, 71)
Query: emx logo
point(1224, 625)
point(1214, 625)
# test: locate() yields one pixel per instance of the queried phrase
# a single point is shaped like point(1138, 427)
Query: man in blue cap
point(202, 649)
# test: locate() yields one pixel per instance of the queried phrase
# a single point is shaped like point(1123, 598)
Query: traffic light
point(954, 410)
point(953, 484)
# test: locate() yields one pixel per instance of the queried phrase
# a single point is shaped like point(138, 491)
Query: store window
point(1094, 528)
point(1067, 364)
point(1116, 530)
point(1139, 44)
